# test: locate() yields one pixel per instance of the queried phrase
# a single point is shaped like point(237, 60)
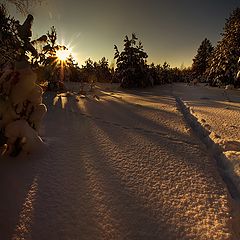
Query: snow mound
point(29, 140)
point(21, 109)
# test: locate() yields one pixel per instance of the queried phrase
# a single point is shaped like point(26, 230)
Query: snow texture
point(21, 129)
point(116, 165)
point(217, 111)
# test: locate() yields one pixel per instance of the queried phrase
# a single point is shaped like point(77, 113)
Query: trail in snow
point(121, 166)
point(216, 113)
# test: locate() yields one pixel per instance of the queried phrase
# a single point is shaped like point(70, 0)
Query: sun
point(62, 55)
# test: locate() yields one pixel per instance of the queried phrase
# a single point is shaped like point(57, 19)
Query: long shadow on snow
point(60, 176)
point(63, 208)
point(17, 178)
point(144, 188)
point(186, 156)
point(128, 117)
point(64, 195)
point(129, 205)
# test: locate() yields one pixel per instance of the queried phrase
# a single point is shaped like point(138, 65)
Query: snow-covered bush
point(20, 136)
point(21, 107)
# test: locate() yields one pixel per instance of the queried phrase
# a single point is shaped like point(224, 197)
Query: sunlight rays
point(63, 55)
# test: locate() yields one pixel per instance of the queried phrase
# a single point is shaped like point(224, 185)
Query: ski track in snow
point(124, 166)
point(217, 113)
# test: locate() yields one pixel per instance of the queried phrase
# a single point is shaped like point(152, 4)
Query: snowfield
point(218, 112)
point(124, 165)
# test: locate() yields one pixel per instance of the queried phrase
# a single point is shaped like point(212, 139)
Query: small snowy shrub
point(21, 108)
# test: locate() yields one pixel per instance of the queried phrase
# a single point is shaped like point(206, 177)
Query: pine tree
point(10, 45)
point(55, 70)
point(132, 70)
point(200, 61)
point(223, 63)
point(102, 69)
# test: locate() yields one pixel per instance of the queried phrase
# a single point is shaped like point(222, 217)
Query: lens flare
point(62, 54)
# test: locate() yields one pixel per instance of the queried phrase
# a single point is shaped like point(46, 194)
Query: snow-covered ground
point(117, 165)
point(218, 112)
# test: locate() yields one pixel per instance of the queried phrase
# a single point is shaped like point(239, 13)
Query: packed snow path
point(122, 166)
point(216, 113)
point(219, 108)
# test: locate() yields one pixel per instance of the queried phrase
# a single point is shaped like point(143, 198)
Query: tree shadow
point(136, 220)
point(144, 180)
point(18, 177)
point(84, 190)
point(131, 117)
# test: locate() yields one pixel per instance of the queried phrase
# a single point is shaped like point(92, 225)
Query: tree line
point(217, 65)
point(220, 65)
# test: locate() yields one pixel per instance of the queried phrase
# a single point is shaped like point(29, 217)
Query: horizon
point(170, 32)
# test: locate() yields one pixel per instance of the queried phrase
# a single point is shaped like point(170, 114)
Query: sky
point(170, 30)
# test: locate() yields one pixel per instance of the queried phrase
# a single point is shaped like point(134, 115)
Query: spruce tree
point(103, 72)
point(132, 70)
point(223, 63)
point(200, 61)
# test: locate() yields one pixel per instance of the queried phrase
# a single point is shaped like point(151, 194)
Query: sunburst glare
point(63, 54)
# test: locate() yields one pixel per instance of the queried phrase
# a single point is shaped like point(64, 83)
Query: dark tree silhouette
point(201, 60)
point(49, 66)
point(164, 74)
point(15, 39)
point(88, 69)
point(132, 70)
point(8, 37)
point(103, 72)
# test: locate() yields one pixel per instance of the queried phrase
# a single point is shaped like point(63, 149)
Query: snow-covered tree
point(223, 63)
point(21, 108)
point(10, 45)
point(132, 70)
point(201, 60)
point(15, 39)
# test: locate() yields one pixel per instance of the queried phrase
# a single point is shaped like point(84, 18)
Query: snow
point(120, 165)
point(21, 129)
point(218, 112)
point(26, 83)
point(21, 109)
